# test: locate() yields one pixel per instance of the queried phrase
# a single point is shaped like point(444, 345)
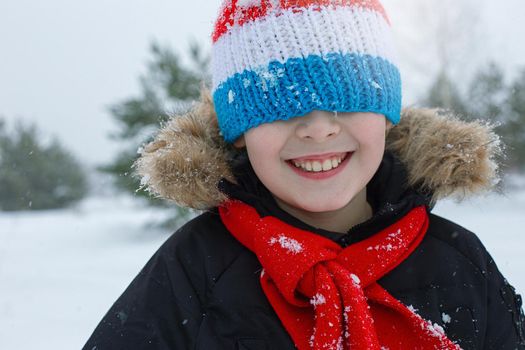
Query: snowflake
point(376, 85)
point(287, 243)
point(231, 96)
point(446, 318)
point(248, 3)
point(317, 299)
point(411, 308)
point(435, 329)
point(355, 279)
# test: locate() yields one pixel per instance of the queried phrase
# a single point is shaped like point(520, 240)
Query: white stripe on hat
point(341, 29)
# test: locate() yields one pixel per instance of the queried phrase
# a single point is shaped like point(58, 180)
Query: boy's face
point(318, 162)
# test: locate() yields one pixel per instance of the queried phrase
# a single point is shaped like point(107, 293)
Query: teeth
point(327, 165)
point(308, 166)
point(318, 166)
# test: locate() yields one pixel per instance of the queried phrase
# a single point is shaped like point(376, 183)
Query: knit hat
point(279, 59)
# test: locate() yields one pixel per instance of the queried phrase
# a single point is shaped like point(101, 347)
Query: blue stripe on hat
point(332, 82)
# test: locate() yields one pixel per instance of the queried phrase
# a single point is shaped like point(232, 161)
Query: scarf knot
point(326, 296)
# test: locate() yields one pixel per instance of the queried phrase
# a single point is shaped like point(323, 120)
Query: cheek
point(263, 146)
point(371, 139)
point(267, 166)
point(260, 151)
point(371, 134)
point(375, 142)
point(259, 161)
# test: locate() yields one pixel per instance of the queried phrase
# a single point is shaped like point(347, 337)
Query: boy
point(314, 237)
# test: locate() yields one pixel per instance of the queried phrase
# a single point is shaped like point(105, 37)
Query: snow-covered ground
point(61, 270)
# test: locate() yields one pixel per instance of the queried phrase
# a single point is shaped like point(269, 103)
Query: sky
point(63, 62)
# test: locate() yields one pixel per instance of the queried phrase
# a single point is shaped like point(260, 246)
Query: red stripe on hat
point(231, 14)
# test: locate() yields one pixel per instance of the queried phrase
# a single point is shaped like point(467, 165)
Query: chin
point(317, 206)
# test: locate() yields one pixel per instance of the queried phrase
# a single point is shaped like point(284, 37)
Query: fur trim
point(443, 155)
point(187, 158)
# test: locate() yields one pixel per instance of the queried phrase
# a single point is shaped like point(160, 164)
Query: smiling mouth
point(319, 165)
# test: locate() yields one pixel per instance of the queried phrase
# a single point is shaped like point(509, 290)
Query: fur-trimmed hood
point(443, 156)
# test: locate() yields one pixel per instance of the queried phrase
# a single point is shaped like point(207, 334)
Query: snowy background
point(62, 63)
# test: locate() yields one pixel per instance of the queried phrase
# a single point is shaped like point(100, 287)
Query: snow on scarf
point(327, 297)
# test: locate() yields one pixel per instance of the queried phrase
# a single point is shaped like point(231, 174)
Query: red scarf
point(327, 297)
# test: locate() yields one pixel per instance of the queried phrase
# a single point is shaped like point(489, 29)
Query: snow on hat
point(278, 59)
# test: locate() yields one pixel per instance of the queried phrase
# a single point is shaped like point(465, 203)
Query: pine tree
point(491, 99)
point(168, 87)
point(444, 94)
point(34, 175)
point(514, 129)
point(488, 93)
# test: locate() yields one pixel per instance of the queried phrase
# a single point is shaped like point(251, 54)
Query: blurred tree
point(491, 99)
point(444, 94)
point(514, 127)
point(487, 94)
point(168, 87)
point(34, 175)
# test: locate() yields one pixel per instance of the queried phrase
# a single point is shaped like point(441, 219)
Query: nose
point(318, 126)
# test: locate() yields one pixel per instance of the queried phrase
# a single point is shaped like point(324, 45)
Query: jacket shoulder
point(459, 239)
point(505, 321)
point(204, 248)
point(171, 291)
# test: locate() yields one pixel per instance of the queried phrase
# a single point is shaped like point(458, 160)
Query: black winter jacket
point(201, 288)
